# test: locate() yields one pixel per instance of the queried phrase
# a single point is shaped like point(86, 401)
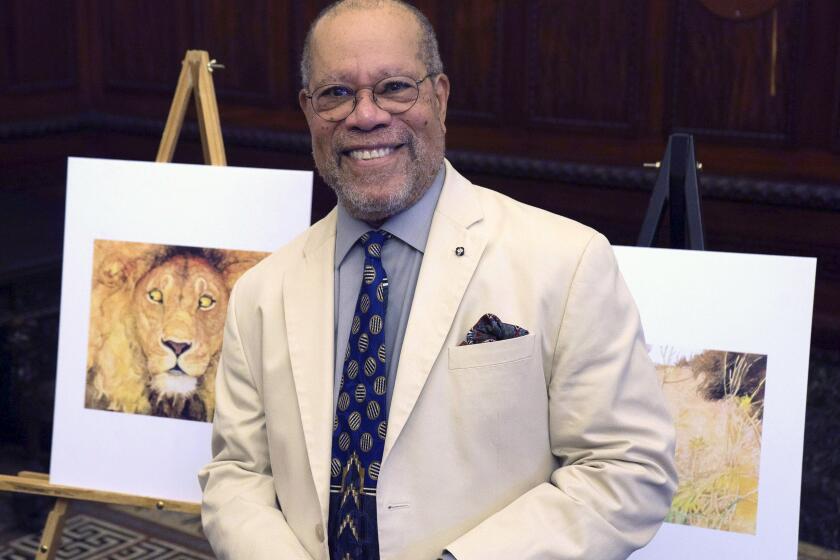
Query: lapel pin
point(459, 251)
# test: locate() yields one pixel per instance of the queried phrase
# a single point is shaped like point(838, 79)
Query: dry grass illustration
point(717, 400)
point(157, 315)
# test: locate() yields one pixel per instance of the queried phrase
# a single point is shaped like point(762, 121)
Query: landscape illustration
point(717, 400)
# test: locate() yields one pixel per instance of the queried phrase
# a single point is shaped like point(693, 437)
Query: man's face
point(377, 163)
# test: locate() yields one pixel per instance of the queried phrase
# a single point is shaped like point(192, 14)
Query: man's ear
point(305, 107)
point(303, 101)
point(441, 85)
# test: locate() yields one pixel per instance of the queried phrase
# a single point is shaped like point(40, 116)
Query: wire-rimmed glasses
point(395, 94)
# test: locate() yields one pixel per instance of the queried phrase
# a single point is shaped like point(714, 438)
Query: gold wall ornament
point(739, 9)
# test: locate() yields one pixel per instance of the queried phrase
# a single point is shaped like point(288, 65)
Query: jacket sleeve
point(239, 510)
point(609, 429)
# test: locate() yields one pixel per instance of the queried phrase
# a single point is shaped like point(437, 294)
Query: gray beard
point(354, 193)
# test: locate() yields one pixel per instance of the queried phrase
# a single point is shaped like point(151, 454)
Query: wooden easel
point(196, 70)
point(195, 78)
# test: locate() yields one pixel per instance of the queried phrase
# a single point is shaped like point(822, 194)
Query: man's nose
point(367, 115)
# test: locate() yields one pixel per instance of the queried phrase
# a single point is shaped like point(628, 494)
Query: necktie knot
point(373, 241)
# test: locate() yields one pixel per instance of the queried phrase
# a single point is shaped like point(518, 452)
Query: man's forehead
point(376, 42)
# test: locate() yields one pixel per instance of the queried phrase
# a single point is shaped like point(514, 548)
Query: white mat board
point(745, 303)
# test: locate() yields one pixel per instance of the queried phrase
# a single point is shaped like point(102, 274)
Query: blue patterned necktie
point(359, 425)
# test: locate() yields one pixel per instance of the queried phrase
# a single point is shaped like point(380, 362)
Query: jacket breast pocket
point(491, 355)
point(499, 400)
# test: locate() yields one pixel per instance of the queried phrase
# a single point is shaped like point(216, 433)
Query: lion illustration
point(157, 316)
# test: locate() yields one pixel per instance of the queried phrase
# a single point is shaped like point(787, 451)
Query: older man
point(433, 369)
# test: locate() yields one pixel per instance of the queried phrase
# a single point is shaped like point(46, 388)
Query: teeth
point(370, 154)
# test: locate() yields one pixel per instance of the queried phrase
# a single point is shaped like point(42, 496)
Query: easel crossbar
point(32, 483)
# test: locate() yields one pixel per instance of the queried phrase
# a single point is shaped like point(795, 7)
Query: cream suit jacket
point(553, 445)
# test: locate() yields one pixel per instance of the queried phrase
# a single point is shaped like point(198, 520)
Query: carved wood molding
point(815, 196)
point(32, 129)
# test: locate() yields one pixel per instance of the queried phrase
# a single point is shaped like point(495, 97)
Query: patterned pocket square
point(490, 328)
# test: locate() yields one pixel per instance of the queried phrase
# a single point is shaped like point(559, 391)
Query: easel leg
point(51, 538)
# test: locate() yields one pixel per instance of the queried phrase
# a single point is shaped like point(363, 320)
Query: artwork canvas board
point(730, 337)
point(151, 251)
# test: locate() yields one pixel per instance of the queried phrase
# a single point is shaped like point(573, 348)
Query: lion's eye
point(155, 295)
point(206, 302)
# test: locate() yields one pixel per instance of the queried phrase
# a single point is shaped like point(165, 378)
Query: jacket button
point(319, 532)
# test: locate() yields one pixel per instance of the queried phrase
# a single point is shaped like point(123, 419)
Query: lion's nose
point(177, 347)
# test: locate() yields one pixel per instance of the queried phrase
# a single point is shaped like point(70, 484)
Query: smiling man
point(381, 146)
point(434, 369)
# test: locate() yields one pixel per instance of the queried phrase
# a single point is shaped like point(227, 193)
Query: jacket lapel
point(308, 300)
point(443, 279)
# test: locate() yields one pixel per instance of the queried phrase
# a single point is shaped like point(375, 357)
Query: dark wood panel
point(37, 40)
point(7, 43)
point(471, 42)
point(735, 79)
point(816, 75)
point(303, 13)
point(583, 62)
point(241, 36)
point(835, 122)
point(144, 42)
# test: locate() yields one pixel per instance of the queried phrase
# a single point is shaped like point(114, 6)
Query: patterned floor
point(97, 532)
point(89, 538)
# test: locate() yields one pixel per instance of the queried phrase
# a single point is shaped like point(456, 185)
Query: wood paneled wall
point(577, 80)
point(557, 102)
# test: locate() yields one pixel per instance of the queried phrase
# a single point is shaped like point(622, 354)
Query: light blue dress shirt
point(401, 258)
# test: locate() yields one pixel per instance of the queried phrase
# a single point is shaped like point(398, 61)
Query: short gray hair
point(429, 51)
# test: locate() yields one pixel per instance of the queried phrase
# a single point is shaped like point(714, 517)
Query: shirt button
point(319, 532)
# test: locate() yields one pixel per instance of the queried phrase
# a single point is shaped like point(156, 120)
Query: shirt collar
point(412, 225)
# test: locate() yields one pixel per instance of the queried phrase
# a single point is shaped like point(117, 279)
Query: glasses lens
point(333, 102)
point(396, 94)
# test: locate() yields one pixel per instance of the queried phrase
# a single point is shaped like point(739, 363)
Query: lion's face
point(179, 308)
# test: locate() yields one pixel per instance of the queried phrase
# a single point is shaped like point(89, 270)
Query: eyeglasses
point(395, 94)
